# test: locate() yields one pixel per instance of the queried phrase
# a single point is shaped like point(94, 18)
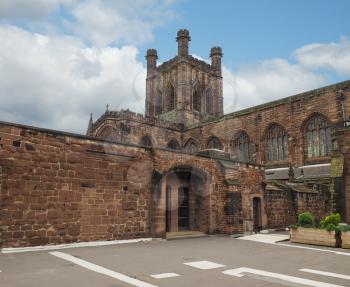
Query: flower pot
point(314, 236)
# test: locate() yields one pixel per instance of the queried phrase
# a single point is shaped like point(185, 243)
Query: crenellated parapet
point(135, 117)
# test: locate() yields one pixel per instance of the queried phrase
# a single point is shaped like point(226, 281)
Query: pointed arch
point(108, 133)
point(173, 145)
point(146, 141)
point(197, 97)
point(170, 103)
point(209, 104)
point(158, 104)
point(317, 132)
point(214, 142)
point(276, 143)
point(191, 146)
point(243, 146)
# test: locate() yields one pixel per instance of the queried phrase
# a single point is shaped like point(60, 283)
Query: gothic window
point(318, 137)
point(208, 101)
point(109, 134)
point(243, 147)
point(277, 143)
point(146, 141)
point(197, 100)
point(173, 144)
point(191, 146)
point(158, 103)
point(214, 142)
point(170, 103)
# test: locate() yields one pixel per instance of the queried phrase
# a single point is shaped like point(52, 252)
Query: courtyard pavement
point(209, 261)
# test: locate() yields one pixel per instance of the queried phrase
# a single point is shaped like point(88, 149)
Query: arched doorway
point(257, 224)
point(186, 201)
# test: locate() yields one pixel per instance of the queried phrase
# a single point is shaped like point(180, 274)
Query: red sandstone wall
point(57, 188)
point(289, 114)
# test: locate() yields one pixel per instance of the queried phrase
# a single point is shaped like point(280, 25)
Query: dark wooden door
point(257, 214)
point(183, 208)
point(168, 210)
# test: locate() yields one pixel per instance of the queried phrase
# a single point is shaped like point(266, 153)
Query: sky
point(61, 60)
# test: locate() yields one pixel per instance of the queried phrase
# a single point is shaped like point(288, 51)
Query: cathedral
point(184, 166)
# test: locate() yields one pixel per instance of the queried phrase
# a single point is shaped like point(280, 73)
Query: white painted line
point(101, 270)
point(265, 238)
point(72, 245)
point(315, 249)
point(204, 265)
point(305, 282)
point(330, 274)
point(164, 275)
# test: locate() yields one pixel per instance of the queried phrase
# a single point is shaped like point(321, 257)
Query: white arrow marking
point(330, 274)
point(306, 282)
point(101, 270)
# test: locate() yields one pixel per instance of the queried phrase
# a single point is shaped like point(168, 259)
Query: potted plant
point(306, 232)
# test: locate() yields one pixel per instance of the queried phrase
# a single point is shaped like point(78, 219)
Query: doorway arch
point(185, 204)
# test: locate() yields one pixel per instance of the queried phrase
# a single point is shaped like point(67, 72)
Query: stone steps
point(184, 235)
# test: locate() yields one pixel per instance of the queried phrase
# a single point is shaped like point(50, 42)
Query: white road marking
point(312, 248)
point(204, 265)
point(305, 282)
point(165, 275)
point(101, 270)
point(265, 238)
point(72, 245)
point(330, 274)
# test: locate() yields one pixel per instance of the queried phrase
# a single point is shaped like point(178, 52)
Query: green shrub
point(305, 219)
point(331, 221)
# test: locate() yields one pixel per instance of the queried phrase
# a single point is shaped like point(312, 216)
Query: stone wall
point(58, 188)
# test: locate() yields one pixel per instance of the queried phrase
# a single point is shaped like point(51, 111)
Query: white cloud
point(330, 56)
point(106, 22)
point(266, 81)
point(55, 81)
point(33, 10)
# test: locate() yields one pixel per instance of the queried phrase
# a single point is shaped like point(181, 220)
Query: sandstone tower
point(184, 89)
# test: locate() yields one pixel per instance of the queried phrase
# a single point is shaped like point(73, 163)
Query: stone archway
point(184, 201)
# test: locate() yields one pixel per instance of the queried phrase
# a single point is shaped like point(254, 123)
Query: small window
point(173, 145)
point(215, 143)
point(16, 143)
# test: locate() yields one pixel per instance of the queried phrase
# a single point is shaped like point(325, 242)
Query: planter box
point(345, 238)
point(314, 236)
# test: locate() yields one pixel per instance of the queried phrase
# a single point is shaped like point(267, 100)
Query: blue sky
point(254, 30)
point(62, 59)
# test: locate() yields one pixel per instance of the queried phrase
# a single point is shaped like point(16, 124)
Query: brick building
point(184, 165)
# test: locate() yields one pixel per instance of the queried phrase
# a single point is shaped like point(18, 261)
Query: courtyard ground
point(209, 261)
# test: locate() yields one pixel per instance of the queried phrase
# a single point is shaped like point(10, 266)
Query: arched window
point(214, 142)
point(158, 103)
point(318, 136)
point(277, 143)
point(243, 147)
point(191, 146)
point(170, 102)
point(173, 144)
point(146, 141)
point(208, 101)
point(197, 100)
